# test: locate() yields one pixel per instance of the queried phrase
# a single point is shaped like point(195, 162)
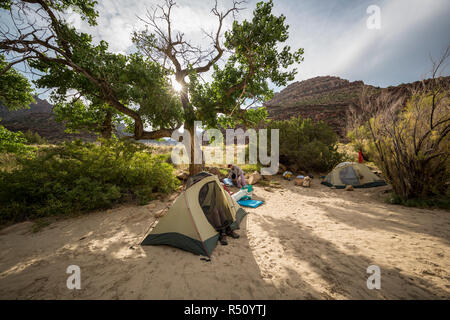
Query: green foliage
point(256, 58)
point(105, 85)
point(252, 118)
point(359, 139)
point(13, 142)
point(34, 138)
point(7, 161)
point(412, 147)
point(85, 76)
point(86, 8)
point(76, 116)
point(134, 80)
point(78, 177)
point(15, 89)
point(250, 168)
point(308, 145)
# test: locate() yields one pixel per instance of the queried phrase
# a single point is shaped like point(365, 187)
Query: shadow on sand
point(345, 274)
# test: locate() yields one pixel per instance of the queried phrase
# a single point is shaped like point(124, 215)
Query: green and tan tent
point(185, 225)
point(352, 173)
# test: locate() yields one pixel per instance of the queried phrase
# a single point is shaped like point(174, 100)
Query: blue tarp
point(250, 203)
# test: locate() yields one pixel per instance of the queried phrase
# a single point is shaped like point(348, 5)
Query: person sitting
point(218, 219)
point(216, 215)
point(237, 176)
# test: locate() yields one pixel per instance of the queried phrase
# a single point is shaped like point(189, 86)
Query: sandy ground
point(301, 244)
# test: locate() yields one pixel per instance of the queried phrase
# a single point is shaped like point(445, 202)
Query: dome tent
point(351, 173)
point(185, 225)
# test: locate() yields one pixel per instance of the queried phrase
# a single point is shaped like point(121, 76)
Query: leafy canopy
point(136, 82)
point(244, 79)
point(84, 75)
point(13, 142)
point(92, 83)
point(15, 90)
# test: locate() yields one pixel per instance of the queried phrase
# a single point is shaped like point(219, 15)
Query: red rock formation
point(39, 118)
point(327, 99)
point(332, 99)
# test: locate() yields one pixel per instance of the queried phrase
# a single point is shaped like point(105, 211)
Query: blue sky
point(333, 33)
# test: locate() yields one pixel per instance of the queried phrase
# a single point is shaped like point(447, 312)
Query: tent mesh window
point(211, 197)
point(348, 176)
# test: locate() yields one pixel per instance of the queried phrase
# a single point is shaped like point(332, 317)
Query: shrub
point(412, 146)
point(7, 161)
point(78, 177)
point(408, 135)
point(308, 145)
point(13, 142)
point(33, 137)
point(360, 141)
point(408, 138)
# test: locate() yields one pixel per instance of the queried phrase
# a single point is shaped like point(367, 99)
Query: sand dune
point(301, 244)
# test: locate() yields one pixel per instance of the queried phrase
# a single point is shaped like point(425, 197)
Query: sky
point(334, 33)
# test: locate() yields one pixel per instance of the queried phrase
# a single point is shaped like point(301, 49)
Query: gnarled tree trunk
point(106, 130)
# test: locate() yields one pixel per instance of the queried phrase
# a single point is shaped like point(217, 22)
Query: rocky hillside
point(39, 118)
point(327, 99)
point(331, 99)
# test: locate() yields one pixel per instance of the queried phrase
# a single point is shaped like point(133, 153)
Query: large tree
point(81, 71)
point(250, 57)
point(137, 86)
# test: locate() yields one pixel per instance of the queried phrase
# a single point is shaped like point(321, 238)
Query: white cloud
point(333, 33)
point(118, 19)
point(337, 41)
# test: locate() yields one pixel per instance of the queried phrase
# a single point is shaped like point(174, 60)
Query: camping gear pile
point(244, 196)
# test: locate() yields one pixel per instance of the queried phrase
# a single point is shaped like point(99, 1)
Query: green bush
point(360, 141)
point(77, 177)
point(308, 145)
point(33, 137)
point(410, 143)
point(13, 142)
